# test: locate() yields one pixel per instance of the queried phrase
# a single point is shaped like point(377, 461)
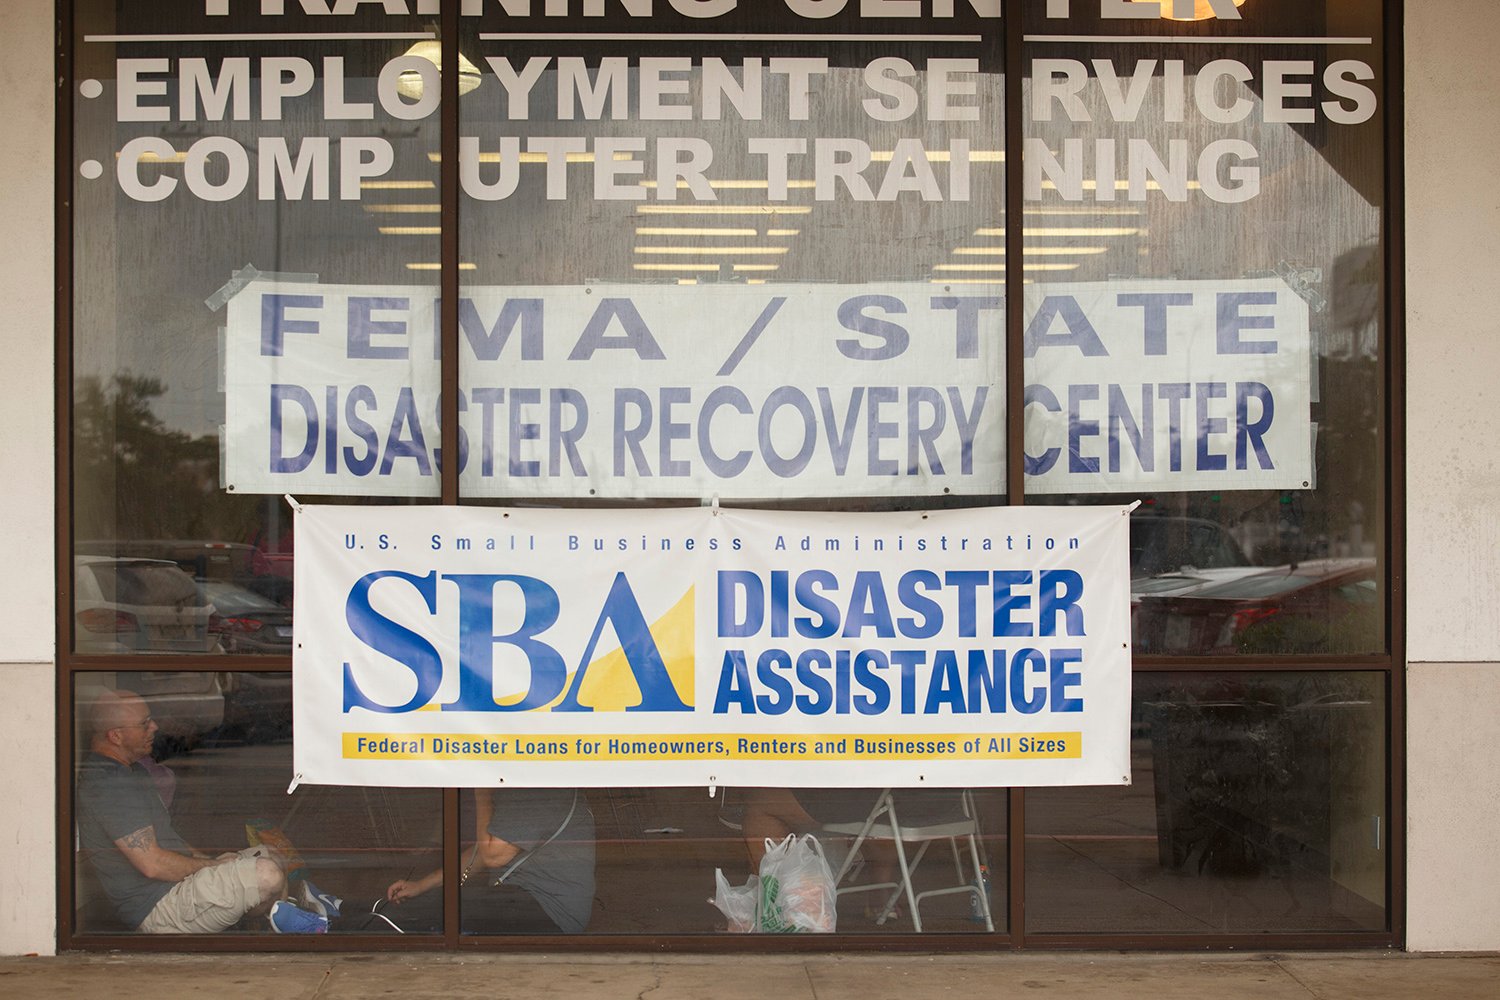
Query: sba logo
point(552, 687)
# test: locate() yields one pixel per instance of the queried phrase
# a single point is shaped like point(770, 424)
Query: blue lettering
point(1231, 322)
point(397, 446)
point(274, 324)
point(1060, 591)
point(733, 583)
point(826, 610)
point(1027, 701)
point(766, 667)
point(1154, 307)
point(292, 394)
point(1078, 428)
point(476, 643)
point(820, 697)
point(734, 684)
point(623, 613)
point(1252, 435)
point(1063, 679)
point(893, 338)
point(946, 688)
point(868, 607)
point(724, 395)
point(636, 337)
point(360, 396)
point(1037, 465)
point(1081, 333)
point(786, 395)
point(396, 641)
point(881, 430)
point(1208, 426)
point(931, 611)
point(363, 329)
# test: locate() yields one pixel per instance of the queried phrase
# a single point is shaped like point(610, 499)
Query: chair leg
point(979, 889)
point(911, 896)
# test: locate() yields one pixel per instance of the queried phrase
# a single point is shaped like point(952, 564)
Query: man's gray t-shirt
point(558, 874)
point(114, 801)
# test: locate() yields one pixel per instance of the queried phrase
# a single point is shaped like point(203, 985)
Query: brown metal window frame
point(1016, 936)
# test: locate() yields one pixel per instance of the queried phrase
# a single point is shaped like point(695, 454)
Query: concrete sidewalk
point(1374, 976)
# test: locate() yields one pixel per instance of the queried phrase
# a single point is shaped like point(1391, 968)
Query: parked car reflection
point(138, 606)
point(247, 622)
point(1321, 605)
point(1161, 544)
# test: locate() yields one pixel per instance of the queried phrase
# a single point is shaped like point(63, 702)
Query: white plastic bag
point(737, 902)
point(796, 888)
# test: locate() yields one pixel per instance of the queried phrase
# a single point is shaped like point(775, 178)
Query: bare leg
point(271, 883)
point(775, 814)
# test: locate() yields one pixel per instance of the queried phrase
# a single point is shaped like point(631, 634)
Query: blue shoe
point(287, 918)
point(317, 901)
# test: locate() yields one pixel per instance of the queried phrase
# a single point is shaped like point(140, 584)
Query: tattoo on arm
point(143, 839)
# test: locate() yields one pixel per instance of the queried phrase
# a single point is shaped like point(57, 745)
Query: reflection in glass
point(1257, 804)
point(177, 768)
point(643, 860)
point(220, 193)
point(1203, 233)
point(735, 264)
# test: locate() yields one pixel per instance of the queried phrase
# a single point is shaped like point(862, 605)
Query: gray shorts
point(210, 900)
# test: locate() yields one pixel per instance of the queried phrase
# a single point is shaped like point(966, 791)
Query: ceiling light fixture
point(1031, 251)
point(711, 250)
point(401, 208)
point(410, 84)
point(1202, 9)
point(1030, 231)
point(693, 231)
point(723, 209)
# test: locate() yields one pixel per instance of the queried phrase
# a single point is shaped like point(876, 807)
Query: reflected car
point(1321, 605)
point(258, 705)
point(245, 621)
point(1161, 543)
point(138, 606)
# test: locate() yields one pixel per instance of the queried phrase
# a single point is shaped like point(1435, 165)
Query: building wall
point(1453, 474)
point(28, 883)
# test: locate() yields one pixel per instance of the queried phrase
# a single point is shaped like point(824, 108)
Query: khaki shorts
point(210, 900)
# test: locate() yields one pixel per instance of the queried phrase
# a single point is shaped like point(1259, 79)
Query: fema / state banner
point(444, 646)
point(746, 391)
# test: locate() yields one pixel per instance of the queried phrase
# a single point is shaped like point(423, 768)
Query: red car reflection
point(1321, 605)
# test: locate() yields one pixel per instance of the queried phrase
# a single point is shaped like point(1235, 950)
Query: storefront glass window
point(1257, 804)
point(202, 760)
point(739, 263)
point(237, 180)
point(753, 254)
point(643, 860)
point(1203, 241)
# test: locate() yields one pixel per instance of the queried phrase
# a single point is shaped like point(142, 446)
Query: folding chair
point(928, 825)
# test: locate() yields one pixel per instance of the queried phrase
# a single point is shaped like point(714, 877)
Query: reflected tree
point(136, 478)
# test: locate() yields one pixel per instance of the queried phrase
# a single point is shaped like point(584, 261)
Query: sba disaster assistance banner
point(470, 646)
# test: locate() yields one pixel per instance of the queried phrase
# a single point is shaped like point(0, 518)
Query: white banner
point(694, 646)
point(1163, 386)
point(743, 391)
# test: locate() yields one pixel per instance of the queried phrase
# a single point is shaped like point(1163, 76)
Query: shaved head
point(119, 725)
point(111, 710)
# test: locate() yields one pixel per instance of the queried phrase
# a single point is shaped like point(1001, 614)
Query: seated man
point(531, 870)
point(157, 883)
